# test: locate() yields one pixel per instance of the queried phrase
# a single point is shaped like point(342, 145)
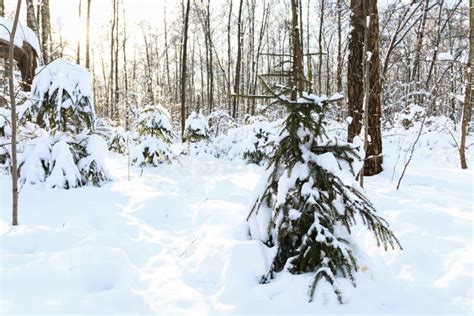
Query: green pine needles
point(311, 201)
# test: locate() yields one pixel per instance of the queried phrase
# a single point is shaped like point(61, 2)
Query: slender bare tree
point(46, 31)
point(468, 96)
point(88, 34)
point(11, 90)
point(183, 68)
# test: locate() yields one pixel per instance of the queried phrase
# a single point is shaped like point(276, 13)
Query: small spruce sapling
point(156, 137)
point(196, 129)
point(309, 205)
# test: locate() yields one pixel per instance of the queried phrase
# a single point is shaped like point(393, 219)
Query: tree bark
point(229, 56)
point(78, 49)
point(183, 69)
point(31, 17)
point(468, 97)
point(355, 93)
point(11, 88)
point(238, 62)
point(46, 31)
point(2, 8)
point(88, 32)
point(320, 46)
point(298, 70)
point(373, 152)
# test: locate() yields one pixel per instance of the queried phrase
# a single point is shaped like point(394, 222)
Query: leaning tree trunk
point(373, 155)
point(355, 93)
point(468, 98)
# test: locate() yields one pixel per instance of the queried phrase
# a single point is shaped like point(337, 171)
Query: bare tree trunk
point(309, 61)
point(339, 49)
point(373, 152)
point(125, 73)
point(78, 50)
point(88, 32)
point(419, 43)
point(468, 97)
point(110, 106)
point(46, 31)
point(298, 70)
point(31, 17)
point(211, 63)
point(238, 62)
point(116, 60)
point(229, 55)
point(183, 69)
point(11, 89)
point(2, 8)
point(167, 61)
point(354, 70)
point(320, 45)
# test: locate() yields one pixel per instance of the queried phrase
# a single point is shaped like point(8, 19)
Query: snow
point(446, 56)
point(175, 240)
point(196, 123)
point(23, 34)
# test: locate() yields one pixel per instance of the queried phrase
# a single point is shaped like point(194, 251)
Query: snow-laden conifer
point(310, 201)
point(156, 137)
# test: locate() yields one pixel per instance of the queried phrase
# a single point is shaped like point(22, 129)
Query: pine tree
point(313, 201)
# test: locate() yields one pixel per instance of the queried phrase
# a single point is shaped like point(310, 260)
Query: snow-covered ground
point(175, 240)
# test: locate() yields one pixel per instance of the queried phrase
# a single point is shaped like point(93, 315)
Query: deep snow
point(175, 240)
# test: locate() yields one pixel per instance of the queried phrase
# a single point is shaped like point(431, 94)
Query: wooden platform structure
point(26, 59)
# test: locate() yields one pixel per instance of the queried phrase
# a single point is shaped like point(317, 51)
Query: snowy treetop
point(63, 76)
point(23, 34)
point(155, 117)
point(197, 123)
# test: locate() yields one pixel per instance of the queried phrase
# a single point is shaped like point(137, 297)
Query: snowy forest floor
point(175, 240)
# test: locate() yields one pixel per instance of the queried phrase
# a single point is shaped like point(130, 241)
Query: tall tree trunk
point(355, 93)
point(320, 46)
point(373, 152)
point(211, 63)
point(88, 33)
point(78, 50)
point(309, 60)
point(339, 48)
point(469, 96)
point(46, 31)
point(229, 56)
point(167, 61)
point(183, 69)
point(298, 70)
point(125, 73)
point(116, 60)
point(31, 17)
point(238, 62)
point(11, 88)
point(419, 43)
point(2, 8)
point(112, 62)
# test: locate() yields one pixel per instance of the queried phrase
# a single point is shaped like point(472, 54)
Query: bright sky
point(64, 15)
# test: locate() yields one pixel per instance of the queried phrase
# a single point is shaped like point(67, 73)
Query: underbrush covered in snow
point(252, 142)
